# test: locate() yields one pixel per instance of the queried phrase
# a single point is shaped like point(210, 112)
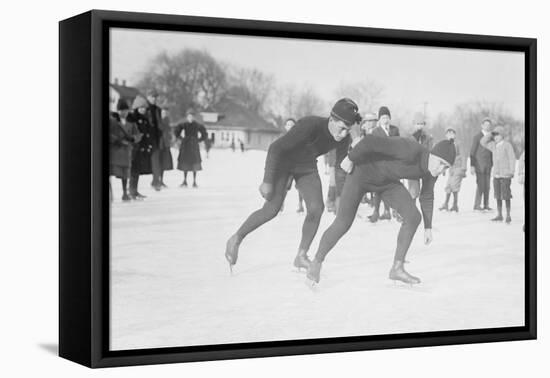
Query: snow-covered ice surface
point(170, 282)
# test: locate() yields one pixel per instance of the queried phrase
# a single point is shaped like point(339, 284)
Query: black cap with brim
point(346, 110)
point(445, 150)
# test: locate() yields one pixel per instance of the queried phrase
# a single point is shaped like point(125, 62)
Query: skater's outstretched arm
point(394, 148)
point(294, 138)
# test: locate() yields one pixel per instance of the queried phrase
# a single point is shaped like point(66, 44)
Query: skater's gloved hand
point(346, 165)
point(428, 238)
point(266, 190)
point(472, 171)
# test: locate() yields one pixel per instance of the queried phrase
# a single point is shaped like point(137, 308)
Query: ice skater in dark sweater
point(294, 156)
point(377, 164)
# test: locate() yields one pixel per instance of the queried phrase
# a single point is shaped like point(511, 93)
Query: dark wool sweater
point(382, 161)
point(298, 149)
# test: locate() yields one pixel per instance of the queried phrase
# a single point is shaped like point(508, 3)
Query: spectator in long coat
point(481, 162)
point(153, 114)
point(122, 136)
point(384, 129)
point(423, 138)
point(457, 172)
point(190, 133)
point(141, 161)
point(166, 162)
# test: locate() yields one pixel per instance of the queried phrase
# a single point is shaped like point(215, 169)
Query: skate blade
point(417, 287)
point(312, 285)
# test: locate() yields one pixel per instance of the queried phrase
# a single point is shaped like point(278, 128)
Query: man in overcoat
point(481, 163)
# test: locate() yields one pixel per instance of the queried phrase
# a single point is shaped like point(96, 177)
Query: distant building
point(229, 121)
point(121, 90)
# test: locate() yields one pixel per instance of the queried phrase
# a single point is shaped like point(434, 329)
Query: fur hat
point(446, 150)
point(384, 111)
point(346, 110)
point(139, 102)
point(122, 105)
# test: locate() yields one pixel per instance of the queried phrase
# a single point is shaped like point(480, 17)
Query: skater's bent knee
point(414, 218)
point(315, 210)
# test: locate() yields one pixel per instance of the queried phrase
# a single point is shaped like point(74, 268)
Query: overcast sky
point(410, 76)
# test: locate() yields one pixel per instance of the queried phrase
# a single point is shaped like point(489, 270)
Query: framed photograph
point(236, 188)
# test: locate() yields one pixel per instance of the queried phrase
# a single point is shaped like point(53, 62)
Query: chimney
point(116, 80)
point(123, 83)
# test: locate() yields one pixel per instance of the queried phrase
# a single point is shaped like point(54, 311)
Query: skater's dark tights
point(397, 197)
point(309, 186)
point(124, 186)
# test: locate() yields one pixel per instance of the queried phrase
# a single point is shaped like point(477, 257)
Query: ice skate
point(498, 218)
point(508, 219)
point(373, 218)
point(183, 184)
point(195, 185)
point(126, 198)
point(444, 207)
point(398, 273)
point(232, 251)
point(302, 261)
point(454, 208)
point(313, 272)
point(300, 209)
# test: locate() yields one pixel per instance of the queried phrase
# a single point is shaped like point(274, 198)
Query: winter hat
point(139, 102)
point(450, 129)
point(190, 111)
point(384, 111)
point(346, 110)
point(499, 130)
point(370, 117)
point(122, 105)
point(419, 118)
point(153, 93)
point(445, 150)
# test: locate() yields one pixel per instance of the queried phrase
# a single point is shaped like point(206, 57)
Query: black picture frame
point(84, 205)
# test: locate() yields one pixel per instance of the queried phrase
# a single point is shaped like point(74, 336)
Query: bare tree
point(251, 88)
point(466, 119)
point(367, 94)
point(191, 78)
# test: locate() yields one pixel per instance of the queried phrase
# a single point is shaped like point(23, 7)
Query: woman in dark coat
point(122, 136)
point(190, 133)
point(141, 161)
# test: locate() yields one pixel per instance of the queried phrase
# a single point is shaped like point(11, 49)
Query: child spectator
point(504, 164)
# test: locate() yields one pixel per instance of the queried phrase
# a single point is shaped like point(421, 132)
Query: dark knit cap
point(445, 150)
point(346, 110)
point(122, 105)
point(383, 111)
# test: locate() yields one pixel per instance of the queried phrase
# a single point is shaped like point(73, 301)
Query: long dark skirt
point(166, 159)
point(189, 158)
